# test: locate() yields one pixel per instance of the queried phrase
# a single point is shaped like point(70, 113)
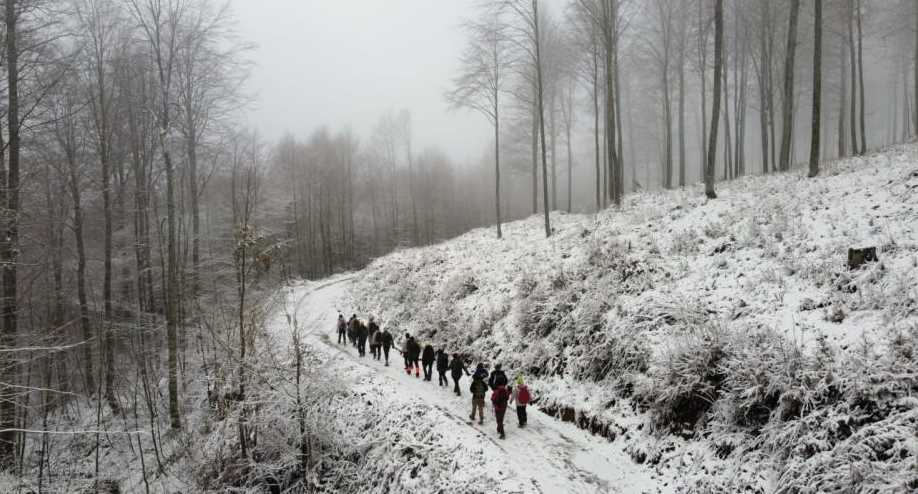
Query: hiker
point(442, 366)
point(427, 360)
point(385, 340)
point(478, 389)
point(411, 351)
point(351, 336)
point(521, 396)
point(342, 329)
point(373, 337)
point(406, 352)
point(497, 378)
point(499, 398)
point(480, 373)
point(361, 330)
point(457, 367)
point(414, 355)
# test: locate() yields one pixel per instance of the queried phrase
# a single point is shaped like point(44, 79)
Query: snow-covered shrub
point(684, 243)
point(460, 286)
point(548, 308)
point(679, 313)
point(875, 458)
point(755, 370)
point(686, 378)
point(769, 378)
point(615, 353)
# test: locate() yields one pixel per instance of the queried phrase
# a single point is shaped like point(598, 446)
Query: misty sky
point(346, 62)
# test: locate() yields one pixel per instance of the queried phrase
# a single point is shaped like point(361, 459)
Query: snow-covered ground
point(722, 341)
point(548, 456)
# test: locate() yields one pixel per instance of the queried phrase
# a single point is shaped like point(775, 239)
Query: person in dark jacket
point(479, 389)
point(412, 353)
point(351, 334)
point(361, 330)
point(342, 329)
point(499, 398)
point(442, 366)
point(427, 360)
point(414, 356)
point(457, 367)
point(385, 341)
point(521, 396)
point(373, 337)
point(480, 373)
point(497, 378)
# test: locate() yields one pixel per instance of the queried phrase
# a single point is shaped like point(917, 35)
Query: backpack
point(498, 379)
point(522, 395)
point(500, 397)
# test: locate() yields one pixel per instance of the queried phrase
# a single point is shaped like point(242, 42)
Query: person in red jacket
point(499, 398)
point(521, 396)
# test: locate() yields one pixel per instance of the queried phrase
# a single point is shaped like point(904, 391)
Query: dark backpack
point(498, 378)
point(500, 397)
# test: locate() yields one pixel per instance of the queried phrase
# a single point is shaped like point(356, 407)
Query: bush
point(686, 380)
point(615, 353)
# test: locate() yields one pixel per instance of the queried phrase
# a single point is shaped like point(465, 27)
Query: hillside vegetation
point(727, 339)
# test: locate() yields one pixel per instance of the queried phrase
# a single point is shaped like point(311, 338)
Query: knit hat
point(519, 379)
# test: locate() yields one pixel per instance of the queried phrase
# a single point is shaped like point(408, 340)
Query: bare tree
point(9, 246)
point(715, 110)
point(159, 20)
point(787, 133)
point(817, 88)
point(480, 83)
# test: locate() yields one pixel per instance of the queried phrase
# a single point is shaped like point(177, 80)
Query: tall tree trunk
point(860, 71)
point(553, 133)
point(853, 63)
point(715, 110)
point(540, 99)
point(619, 149)
point(667, 122)
point(702, 49)
point(535, 152)
point(9, 247)
point(842, 98)
point(195, 208)
point(596, 124)
point(85, 326)
point(682, 110)
point(172, 285)
point(609, 34)
point(787, 133)
point(728, 141)
point(915, 66)
point(570, 161)
point(817, 88)
point(497, 154)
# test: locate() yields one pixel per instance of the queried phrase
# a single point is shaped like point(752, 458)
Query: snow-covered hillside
point(723, 340)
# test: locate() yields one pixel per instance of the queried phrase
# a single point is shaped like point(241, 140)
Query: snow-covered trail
point(548, 456)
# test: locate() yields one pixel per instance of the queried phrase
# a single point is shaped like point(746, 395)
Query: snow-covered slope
point(423, 441)
point(723, 339)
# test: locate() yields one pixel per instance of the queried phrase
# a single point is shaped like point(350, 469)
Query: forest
point(148, 224)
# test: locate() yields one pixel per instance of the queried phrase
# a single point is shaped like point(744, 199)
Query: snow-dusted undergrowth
point(723, 338)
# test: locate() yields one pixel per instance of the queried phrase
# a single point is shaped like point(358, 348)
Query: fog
point(346, 63)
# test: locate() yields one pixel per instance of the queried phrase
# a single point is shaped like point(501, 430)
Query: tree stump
point(858, 257)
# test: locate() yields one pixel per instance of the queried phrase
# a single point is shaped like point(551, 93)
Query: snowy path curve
point(547, 457)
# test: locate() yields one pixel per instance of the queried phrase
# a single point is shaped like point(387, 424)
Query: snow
point(547, 456)
point(612, 320)
point(592, 314)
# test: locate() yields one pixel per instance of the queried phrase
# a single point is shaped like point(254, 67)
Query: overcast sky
point(346, 62)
